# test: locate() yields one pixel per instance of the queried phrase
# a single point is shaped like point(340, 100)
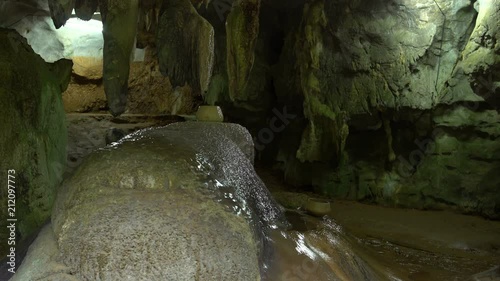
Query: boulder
point(180, 202)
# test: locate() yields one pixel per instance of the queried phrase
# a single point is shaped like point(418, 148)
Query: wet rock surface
point(409, 244)
point(186, 186)
point(185, 204)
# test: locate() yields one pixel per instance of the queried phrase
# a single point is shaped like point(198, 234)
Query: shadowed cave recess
point(388, 110)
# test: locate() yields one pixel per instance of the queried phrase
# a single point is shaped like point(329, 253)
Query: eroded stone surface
point(185, 45)
point(33, 139)
point(185, 194)
point(119, 30)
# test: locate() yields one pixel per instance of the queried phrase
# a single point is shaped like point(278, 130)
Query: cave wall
point(33, 138)
point(397, 90)
point(395, 102)
point(392, 102)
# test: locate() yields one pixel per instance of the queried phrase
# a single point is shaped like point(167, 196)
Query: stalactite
point(85, 9)
point(60, 11)
point(119, 29)
point(242, 29)
point(185, 43)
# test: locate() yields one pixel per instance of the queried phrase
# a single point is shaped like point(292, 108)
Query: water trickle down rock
point(119, 29)
point(185, 45)
point(242, 30)
point(185, 196)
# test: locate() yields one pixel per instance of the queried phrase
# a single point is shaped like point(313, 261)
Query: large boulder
point(181, 202)
point(33, 138)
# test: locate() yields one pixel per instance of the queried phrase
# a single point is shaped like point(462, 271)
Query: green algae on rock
point(185, 45)
point(33, 139)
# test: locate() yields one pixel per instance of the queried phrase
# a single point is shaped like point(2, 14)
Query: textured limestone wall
point(394, 100)
point(33, 131)
point(402, 94)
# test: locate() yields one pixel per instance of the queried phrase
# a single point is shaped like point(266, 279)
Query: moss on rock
point(33, 139)
point(185, 45)
point(242, 30)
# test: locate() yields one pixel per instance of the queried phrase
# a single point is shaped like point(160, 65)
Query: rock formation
point(386, 72)
point(242, 30)
point(60, 11)
point(180, 202)
point(85, 9)
point(185, 45)
point(119, 30)
point(33, 139)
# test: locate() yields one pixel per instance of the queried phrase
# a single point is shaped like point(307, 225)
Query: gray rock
point(41, 261)
point(119, 30)
point(420, 66)
point(181, 202)
point(185, 45)
point(85, 9)
point(33, 139)
point(60, 11)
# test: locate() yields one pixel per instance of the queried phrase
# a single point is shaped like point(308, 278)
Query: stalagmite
point(85, 9)
point(60, 11)
point(119, 29)
point(242, 29)
point(185, 45)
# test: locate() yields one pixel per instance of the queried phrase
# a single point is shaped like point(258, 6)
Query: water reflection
point(318, 249)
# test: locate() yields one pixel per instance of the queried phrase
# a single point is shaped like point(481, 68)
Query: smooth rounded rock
point(209, 113)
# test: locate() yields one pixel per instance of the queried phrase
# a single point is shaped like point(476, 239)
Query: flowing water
point(353, 242)
point(355, 255)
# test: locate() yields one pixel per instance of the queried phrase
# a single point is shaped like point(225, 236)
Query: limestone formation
point(60, 11)
point(185, 45)
point(352, 60)
point(180, 202)
point(242, 30)
point(33, 139)
point(85, 9)
point(119, 29)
